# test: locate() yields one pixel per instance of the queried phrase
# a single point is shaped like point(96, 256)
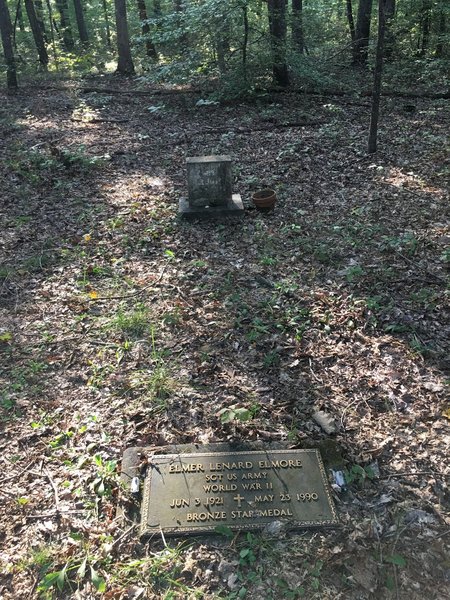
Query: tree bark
point(245, 41)
point(425, 18)
point(81, 22)
point(351, 22)
point(143, 16)
point(66, 28)
point(222, 41)
point(362, 33)
point(17, 19)
point(37, 33)
point(125, 64)
point(277, 28)
point(157, 8)
point(373, 132)
point(298, 38)
point(52, 31)
point(19, 16)
point(39, 9)
point(108, 30)
point(6, 33)
point(442, 27)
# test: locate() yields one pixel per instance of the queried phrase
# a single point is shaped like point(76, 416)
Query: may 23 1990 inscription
point(189, 493)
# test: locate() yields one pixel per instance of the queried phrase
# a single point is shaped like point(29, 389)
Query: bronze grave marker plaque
point(194, 493)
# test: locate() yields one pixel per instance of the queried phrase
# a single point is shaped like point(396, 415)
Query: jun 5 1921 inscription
point(190, 493)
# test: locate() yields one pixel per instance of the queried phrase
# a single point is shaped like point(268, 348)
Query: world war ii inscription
point(189, 493)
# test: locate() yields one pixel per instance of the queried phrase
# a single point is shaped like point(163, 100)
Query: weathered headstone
point(210, 188)
point(194, 492)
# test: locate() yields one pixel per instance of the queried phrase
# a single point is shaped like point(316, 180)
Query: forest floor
point(121, 325)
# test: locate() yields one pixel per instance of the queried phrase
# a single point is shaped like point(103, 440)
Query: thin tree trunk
point(222, 39)
point(351, 22)
point(157, 8)
point(39, 9)
point(17, 18)
point(373, 133)
point(149, 45)
point(362, 33)
point(37, 33)
point(125, 64)
point(298, 38)
point(442, 26)
point(425, 28)
point(245, 41)
point(81, 22)
point(52, 31)
point(277, 28)
point(6, 33)
point(108, 29)
point(221, 48)
point(66, 28)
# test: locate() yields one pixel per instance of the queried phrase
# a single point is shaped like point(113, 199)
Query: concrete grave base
point(234, 208)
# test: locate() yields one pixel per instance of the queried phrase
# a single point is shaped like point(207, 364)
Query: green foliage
point(204, 41)
point(72, 572)
point(133, 323)
point(358, 474)
point(106, 478)
point(234, 413)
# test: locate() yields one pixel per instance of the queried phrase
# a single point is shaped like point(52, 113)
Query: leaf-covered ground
point(122, 326)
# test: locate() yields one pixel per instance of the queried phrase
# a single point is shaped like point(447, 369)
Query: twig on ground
point(133, 294)
point(11, 477)
point(55, 489)
point(124, 534)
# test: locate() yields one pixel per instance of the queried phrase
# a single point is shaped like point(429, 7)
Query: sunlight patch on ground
point(409, 180)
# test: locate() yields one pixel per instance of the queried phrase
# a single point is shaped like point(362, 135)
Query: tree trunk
point(52, 31)
point(157, 8)
point(425, 17)
point(6, 33)
point(298, 39)
point(149, 45)
point(377, 78)
point(66, 28)
point(442, 26)
point(17, 19)
point(19, 16)
point(245, 41)
point(277, 28)
point(37, 33)
point(39, 9)
point(362, 33)
point(351, 22)
point(125, 64)
point(81, 23)
point(108, 30)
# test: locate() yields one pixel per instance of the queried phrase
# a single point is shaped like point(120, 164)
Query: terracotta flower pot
point(264, 199)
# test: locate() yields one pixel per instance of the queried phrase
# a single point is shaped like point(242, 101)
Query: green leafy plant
point(106, 477)
point(133, 323)
point(358, 474)
point(271, 359)
point(354, 273)
point(234, 413)
point(71, 573)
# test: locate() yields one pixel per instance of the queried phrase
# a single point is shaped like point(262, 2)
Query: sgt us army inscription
point(194, 493)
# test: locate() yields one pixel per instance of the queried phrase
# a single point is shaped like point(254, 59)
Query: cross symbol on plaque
point(239, 499)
